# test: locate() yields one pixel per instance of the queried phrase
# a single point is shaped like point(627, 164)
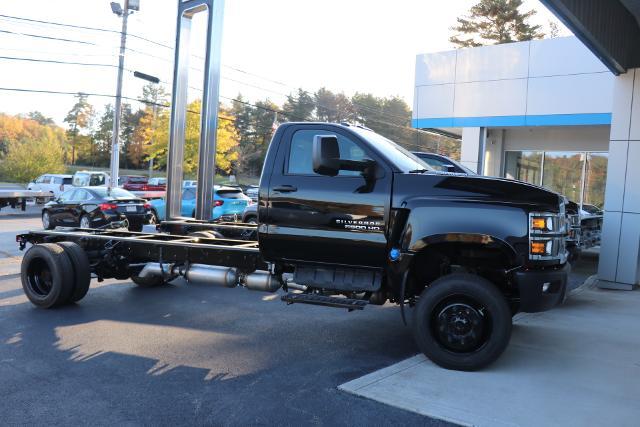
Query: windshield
point(403, 159)
point(114, 193)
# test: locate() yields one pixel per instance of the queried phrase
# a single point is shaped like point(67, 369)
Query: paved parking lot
point(189, 354)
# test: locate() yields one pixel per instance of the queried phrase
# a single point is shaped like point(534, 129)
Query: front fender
point(433, 221)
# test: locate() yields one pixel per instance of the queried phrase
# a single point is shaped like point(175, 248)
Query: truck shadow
point(202, 346)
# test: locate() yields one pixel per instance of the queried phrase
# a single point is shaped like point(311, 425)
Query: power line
point(372, 109)
point(366, 107)
point(46, 37)
point(52, 61)
point(105, 30)
point(102, 95)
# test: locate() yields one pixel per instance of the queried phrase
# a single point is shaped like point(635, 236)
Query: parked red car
point(139, 183)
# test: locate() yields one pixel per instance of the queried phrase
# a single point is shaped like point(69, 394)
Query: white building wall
point(535, 83)
point(559, 138)
point(619, 266)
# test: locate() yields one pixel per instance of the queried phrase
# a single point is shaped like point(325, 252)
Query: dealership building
point(563, 113)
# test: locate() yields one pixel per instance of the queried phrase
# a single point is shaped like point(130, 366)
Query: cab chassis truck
point(346, 218)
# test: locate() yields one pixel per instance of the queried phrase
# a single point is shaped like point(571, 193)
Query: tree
point(226, 143)
point(334, 108)
point(130, 121)
point(495, 22)
point(79, 118)
point(31, 148)
point(300, 107)
point(101, 138)
point(40, 118)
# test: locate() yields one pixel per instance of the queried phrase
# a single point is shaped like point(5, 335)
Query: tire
point(46, 220)
point(462, 322)
point(81, 270)
point(47, 275)
point(148, 282)
point(251, 220)
point(85, 222)
point(154, 217)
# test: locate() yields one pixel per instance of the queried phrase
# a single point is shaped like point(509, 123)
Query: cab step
point(315, 299)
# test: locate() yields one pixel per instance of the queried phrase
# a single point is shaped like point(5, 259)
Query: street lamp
point(123, 12)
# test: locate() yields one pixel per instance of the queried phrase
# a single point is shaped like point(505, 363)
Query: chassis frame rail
point(138, 247)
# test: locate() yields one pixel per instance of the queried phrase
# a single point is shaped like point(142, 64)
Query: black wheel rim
point(39, 277)
point(460, 324)
point(45, 220)
point(84, 222)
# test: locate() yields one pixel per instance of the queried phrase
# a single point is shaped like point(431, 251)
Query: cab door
point(316, 218)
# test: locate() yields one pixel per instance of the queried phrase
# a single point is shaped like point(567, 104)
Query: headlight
point(547, 236)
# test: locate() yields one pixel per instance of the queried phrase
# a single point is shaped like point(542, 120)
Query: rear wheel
point(47, 275)
point(85, 222)
point(251, 220)
point(462, 322)
point(154, 218)
point(81, 270)
point(46, 220)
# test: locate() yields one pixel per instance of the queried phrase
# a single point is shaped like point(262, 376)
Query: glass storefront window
point(581, 176)
point(562, 173)
point(595, 179)
point(524, 166)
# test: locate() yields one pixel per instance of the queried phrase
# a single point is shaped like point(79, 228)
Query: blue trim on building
point(510, 121)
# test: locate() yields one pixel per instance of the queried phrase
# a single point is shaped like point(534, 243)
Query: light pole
point(115, 142)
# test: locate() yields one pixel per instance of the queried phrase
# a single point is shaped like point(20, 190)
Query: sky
point(269, 48)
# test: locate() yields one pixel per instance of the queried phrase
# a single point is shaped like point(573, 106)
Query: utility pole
point(115, 144)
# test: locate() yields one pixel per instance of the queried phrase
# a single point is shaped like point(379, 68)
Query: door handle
point(285, 188)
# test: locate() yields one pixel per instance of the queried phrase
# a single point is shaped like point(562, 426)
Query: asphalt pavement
point(189, 354)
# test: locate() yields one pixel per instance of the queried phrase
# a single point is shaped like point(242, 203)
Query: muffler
point(261, 281)
point(215, 275)
point(212, 274)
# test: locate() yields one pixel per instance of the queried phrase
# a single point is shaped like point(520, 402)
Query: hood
point(474, 188)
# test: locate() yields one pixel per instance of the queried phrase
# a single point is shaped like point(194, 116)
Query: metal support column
point(209, 113)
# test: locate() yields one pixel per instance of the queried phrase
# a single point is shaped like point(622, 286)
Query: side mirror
point(326, 155)
point(327, 161)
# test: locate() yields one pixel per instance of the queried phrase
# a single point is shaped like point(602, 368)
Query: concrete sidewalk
point(577, 365)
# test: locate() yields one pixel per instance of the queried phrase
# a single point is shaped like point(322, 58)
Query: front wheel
point(462, 322)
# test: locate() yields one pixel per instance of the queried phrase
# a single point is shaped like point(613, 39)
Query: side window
point(80, 196)
point(189, 194)
point(56, 180)
point(437, 164)
point(40, 180)
point(300, 153)
point(67, 196)
point(45, 179)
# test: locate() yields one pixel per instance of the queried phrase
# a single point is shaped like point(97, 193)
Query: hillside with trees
point(244, 131)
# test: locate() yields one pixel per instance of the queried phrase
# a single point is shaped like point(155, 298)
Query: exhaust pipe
point(213, 274)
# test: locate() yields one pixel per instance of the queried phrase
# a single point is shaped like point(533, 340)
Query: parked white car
point(55, 184)
point(90, 179)
point(157, 181)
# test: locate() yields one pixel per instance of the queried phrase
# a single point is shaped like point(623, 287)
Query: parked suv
point(55, 184)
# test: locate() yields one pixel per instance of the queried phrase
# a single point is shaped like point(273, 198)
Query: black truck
point(347, 218)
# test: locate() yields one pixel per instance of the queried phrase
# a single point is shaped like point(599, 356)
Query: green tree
point(79, 118)
point(31, 148)
point(299, 107)
point(495, 22)
point(334, 108)
point(101, 138)
point(40, 118)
